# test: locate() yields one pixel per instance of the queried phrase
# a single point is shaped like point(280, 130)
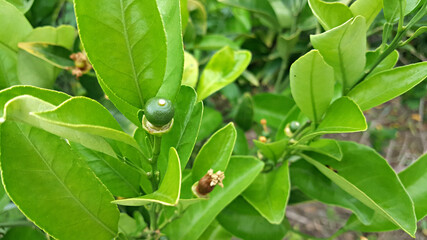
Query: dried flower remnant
point(81, 64)
point(208, 182)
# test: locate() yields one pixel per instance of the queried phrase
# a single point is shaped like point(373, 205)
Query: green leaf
point(344, 49)
point(50, 96)
point(22, 5)
point(245, 112)
point(386, 64)
point(62, 187)
point(24, 233)
point(315, 185)
point(369, 9)
point(121, 179)
point(326, 147)
point(211, 121)
point(418, 32)
point(241, 147)
point(261, 7)
point(365, 175)
point(185, 128)
point(274, 150)
point(330, 14)
point(312, 84)
point(191, 70)
point(414, 178)
point(269, 193)
point(386, 85)
point(283, 13)
point(215, 232)
point(8, 72)
point(343, 116)
point(241, 171)
point(56, 55)
point(34, 71)
point(15, 26)
point(169, 190)
point(243, 221)
point(223, 68)
point(210, 42)
point(392, 9)
point(170, 14)
point(94, 128)
point(215, 153)
point(131, 227)
point(272, 107)
point(135, 70)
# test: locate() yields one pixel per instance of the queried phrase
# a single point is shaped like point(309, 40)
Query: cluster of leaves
point(84, 169)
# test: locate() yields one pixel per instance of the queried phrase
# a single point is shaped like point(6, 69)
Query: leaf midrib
point(125, 34)
point(73, 197)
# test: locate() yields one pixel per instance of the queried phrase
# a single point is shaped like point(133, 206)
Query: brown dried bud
point(208, 182)
point(81, 63)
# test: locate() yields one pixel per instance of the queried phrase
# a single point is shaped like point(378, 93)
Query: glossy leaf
point(215, 153)
point(170, 14)
point(169, 190)
point(312, 84)
point(185, 128)
point(386, 85)
point(342, 116)
point(239, 174)
point(386, 64)
point(62, 187)
point(67, 118)
point(96, 130)
point(15, 27)
point(245, 112)
point(272, 107)
point(121, 179)
point(135, 70)
point(191, 70)
point(344, 48)
point(211, 121)
point(317, 186)
point(223, 68)
point(274, 150)
point(326, 147)
point(330, 14)
point(50, 96)
point(269, 193)
point(34, 71)
point(369, 9)
point(414, 179)
point(255, 227)
point(56, 55)
point(365, 175)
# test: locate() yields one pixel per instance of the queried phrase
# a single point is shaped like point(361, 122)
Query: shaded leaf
point(223, 68)
point(169, 190)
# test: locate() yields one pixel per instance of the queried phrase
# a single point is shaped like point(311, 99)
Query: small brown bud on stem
point(208, 182)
